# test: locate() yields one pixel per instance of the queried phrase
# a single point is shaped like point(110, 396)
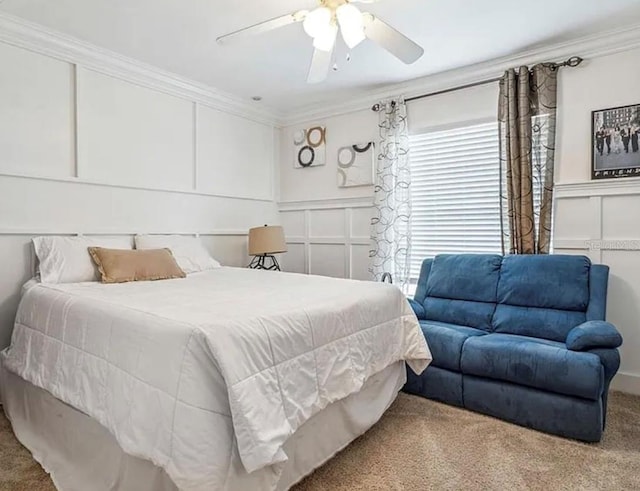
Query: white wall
point(596, 219)
point(600, 83)
point(327, 227)
point(83, 151)
point(320, 183)
point(601, 219)
point(37, 101)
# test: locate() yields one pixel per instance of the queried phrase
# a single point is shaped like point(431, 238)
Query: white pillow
point(189, 252)
point(67, 260)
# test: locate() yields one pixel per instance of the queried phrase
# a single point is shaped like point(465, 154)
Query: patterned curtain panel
point(527, 116)
point(390, 225)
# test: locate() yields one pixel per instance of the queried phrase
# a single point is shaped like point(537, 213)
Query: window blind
point(455, 191)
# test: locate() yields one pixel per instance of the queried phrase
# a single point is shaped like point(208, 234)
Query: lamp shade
point(266, 240)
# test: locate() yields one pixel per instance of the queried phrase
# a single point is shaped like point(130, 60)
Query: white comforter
point(165, 365)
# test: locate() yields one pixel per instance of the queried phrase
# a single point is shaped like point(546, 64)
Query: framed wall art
point(615, 144)
point(310, 147)
point(356, 165)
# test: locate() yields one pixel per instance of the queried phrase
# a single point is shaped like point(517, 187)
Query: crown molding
point(39, 39)
point(588, 47)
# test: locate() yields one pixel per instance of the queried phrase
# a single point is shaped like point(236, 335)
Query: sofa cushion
point(460, 312)
point(464, 277)
point(538, 323)
point(545, 281)
point(445, 342)
point(542, 296)
point(461, 289)
point(534, 362)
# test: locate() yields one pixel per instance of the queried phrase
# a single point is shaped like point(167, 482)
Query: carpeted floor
point(421, 445)
point(18, 470)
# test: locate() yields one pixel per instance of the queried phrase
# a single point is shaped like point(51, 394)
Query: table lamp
point(264, 242)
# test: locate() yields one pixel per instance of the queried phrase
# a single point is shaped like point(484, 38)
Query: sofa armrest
point(593, 335)
point(417, 308)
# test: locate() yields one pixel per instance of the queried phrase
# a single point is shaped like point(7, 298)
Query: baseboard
point(626, 382)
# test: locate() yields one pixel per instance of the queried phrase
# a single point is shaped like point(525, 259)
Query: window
point(455, 190)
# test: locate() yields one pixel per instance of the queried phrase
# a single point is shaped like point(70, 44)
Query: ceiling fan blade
point(320, 64)
point(265, 26)
point(392, 40)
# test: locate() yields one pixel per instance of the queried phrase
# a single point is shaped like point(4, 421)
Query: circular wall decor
point(315, 136)
point(306, 156)
point(342, 178)
point(346, 157)
point(363, 149)
point(299, 137)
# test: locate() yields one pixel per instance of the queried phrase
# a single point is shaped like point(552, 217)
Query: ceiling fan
point(323, 24)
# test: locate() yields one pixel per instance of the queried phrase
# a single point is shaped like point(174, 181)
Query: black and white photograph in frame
point(310, 147)
point(615, 142)
point(356, 165)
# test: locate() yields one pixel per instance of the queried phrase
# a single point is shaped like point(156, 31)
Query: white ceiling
point(179, 36)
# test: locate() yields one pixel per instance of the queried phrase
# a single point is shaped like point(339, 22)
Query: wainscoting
point(327, 237)
point(602, 220)
point(94, 143)
point(65, 122)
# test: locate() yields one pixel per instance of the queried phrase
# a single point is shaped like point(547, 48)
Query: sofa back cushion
point(461, 289)
point(542, 296)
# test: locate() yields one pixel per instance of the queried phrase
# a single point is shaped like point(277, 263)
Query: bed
point(229, 379)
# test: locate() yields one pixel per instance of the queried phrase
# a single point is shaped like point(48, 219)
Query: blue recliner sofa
point(521, 338)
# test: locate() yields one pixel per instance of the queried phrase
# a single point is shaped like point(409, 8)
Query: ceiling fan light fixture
point(323, 24)
point(325, 40)
point(351, 24)
point(317, 21)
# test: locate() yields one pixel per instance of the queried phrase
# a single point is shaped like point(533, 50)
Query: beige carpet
point(422, 445)
point(18, 470)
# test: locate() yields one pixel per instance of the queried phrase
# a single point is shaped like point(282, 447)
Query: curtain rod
point(571, 62)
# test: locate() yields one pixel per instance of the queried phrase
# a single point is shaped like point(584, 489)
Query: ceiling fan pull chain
point(334, 61)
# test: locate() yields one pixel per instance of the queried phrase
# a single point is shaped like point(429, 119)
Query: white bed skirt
point(81, 455)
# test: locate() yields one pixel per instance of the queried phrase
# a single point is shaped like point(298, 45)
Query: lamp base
point(260, 262)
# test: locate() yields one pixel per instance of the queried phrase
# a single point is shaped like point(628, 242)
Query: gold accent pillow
point(123, 265)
